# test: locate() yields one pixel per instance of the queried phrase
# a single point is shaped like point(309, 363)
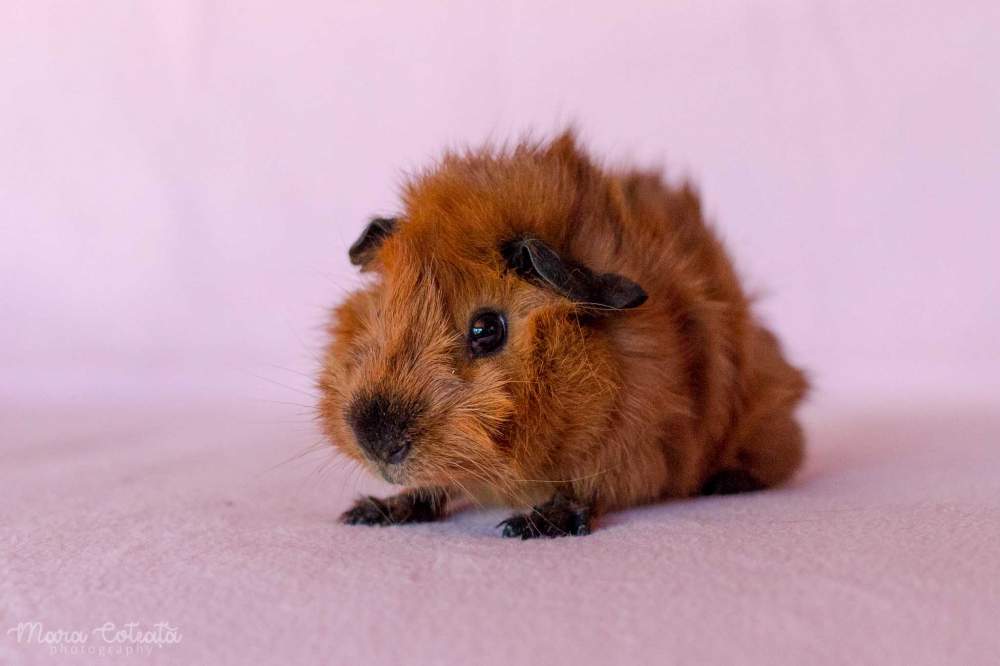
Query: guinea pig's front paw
point(414, 506)
point(558, 517)
point(367, 511)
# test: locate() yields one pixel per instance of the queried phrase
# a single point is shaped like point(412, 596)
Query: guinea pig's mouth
point(388, 458)
point(391, 461)
point(385, 428)
point(394, 473)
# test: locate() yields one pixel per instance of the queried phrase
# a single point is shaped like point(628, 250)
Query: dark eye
point(487, 333)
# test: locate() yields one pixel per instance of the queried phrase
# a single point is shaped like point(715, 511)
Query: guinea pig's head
point(479, 347)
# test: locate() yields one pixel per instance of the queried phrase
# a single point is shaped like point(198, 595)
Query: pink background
point(179, 182)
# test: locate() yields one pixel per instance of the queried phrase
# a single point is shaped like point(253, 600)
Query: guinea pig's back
point(671, 242)
point(735, 371)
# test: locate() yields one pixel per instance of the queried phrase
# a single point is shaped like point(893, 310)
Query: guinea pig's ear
point(371, 238)
point(536, 261)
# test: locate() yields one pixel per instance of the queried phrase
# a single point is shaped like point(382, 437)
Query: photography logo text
point(109, 638)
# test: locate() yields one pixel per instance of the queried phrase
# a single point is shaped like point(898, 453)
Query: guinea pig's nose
point(381, 424)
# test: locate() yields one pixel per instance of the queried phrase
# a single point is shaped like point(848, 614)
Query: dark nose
point(382, 426)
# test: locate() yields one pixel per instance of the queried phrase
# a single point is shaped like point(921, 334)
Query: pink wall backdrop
point(179, 181)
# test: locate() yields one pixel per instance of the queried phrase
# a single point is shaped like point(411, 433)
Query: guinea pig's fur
point(633, 367)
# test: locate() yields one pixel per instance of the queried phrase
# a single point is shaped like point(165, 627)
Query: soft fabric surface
point(885, 550)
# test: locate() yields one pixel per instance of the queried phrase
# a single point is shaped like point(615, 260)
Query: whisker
point(312, 408)
point(312, 448)
point(286, 386)
point(294, 372)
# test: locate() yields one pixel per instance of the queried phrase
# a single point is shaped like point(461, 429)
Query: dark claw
point(413, 506)
point(557, 517)
point(518, 526)
point(730, 482)
point(367, 511)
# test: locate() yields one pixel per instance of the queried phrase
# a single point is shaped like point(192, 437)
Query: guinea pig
point(551, 336)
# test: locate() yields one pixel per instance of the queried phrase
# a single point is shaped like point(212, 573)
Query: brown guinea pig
point(554, 337)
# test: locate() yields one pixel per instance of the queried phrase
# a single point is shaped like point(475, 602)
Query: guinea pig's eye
point(487, 333)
